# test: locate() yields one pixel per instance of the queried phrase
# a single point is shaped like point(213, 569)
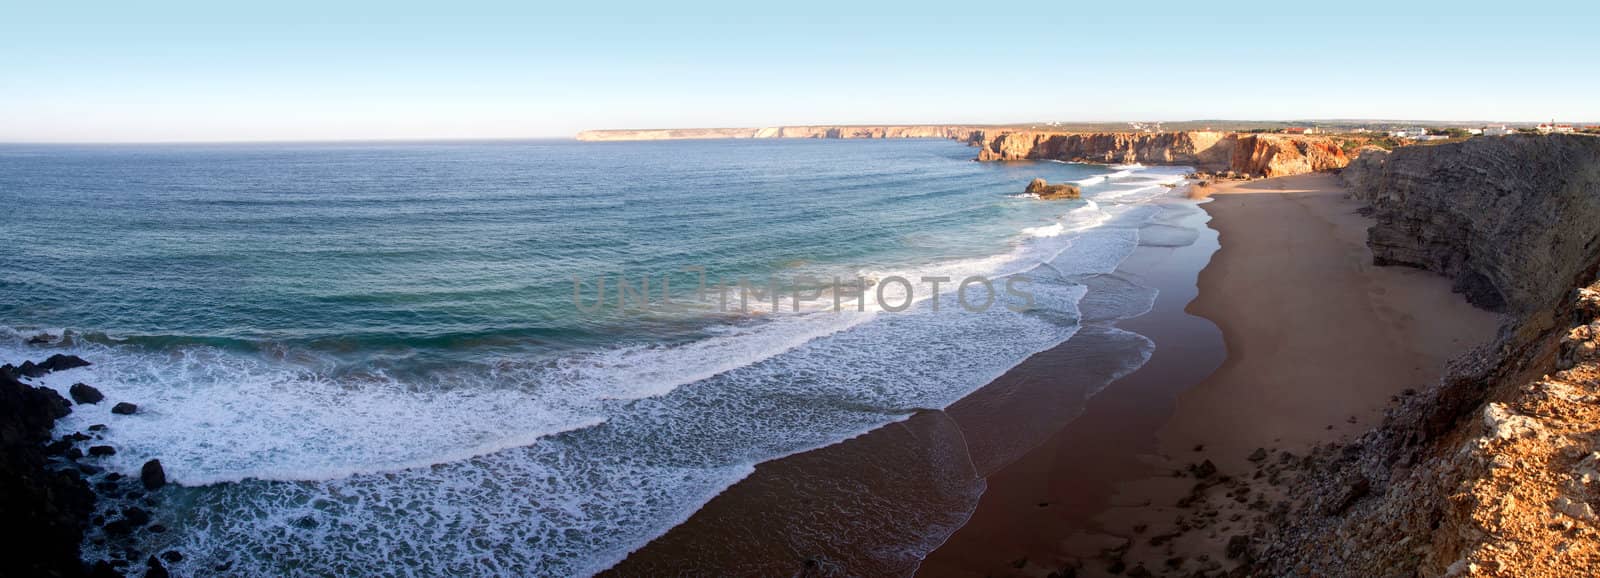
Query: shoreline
point(929, 471)
point(1029, 483)
point(1293, 256)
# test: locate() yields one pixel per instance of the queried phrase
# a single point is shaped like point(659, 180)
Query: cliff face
point(1495, 470)
point(885, 131)
point(1262, 155)
point(1511, 219)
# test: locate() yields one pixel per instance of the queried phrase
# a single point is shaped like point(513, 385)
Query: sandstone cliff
point(1261, 155)
point(1495, 470)
point(884, 131)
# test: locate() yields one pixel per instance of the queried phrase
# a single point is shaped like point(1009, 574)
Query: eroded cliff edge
point(1254, 155)
point(1495, 469)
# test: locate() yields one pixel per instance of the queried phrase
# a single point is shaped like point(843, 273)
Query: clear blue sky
point(162, 71)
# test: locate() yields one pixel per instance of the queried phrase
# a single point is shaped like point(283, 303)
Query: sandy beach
point(1318, 342)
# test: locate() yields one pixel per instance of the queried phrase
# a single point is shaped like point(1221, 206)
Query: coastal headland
point(1240, 154)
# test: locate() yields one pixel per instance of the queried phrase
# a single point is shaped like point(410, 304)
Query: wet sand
point(1318, 341)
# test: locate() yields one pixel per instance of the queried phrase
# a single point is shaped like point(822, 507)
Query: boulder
point(153, 475)
point(101, 451)
point(118, 528)
point(136, 516)
point(1045, 190)
point(83, 393)
point(29, 369)
point(59, 362)
point(154, 569)
point(124, 408)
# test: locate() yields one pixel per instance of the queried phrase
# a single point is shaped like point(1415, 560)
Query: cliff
point(1260, 155)
point(1494, 470)
point(46, 507)
point(885, 131)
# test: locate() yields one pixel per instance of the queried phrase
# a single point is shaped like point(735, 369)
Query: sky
point(93, 71)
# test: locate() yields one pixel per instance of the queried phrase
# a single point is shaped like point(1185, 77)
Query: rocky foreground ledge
point(52, 493)
point(1495, 469)
point(45, 508)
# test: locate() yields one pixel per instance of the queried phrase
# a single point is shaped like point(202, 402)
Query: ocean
point(398, 356)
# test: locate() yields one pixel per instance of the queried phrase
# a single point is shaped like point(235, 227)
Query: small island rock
point(84, 393)
point(1047, 191)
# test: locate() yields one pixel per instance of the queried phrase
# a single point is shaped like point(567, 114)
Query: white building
point(1556, 128)
point(1498, 130)
point(1413, 132)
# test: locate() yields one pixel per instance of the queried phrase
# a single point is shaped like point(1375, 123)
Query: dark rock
point(172, 556)
point(28, 369)
point(153, 475)
point(104, 569)
point(154, 569)
point(45, 510)
point(1204, 469)
point(118, 527)
point(83, 393)
point(77, 436)
point(97, 427)
point(102, 451)
point(41, 338)
point(58, 447)
point(1258, 455)
point(136, 516)
point(124, 408)
point(1238, 547)
point(1353, 489)
point(59, 362)
point(74, 453)
point(158, 528)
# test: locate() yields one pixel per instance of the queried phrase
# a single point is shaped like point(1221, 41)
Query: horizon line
point(573, 136)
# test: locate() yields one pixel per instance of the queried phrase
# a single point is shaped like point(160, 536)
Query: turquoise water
point(368, 355)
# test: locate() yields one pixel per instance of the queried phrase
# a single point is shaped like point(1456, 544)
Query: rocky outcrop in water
point(1494, 470)
point(834, 132)
point(1044, 190)
point(1260, 155)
